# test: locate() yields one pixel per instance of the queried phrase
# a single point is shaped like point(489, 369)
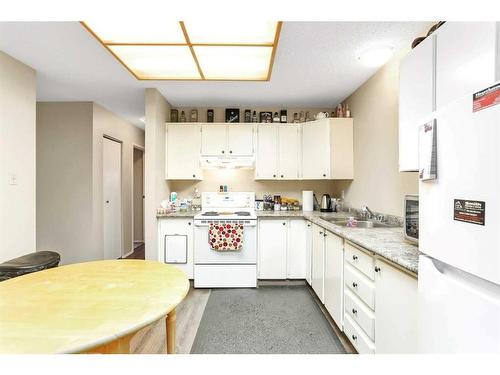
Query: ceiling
point(316, 65)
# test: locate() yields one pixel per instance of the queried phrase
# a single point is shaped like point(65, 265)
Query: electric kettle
point(326, 203)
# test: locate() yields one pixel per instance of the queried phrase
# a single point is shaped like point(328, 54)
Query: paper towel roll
point(307, 200)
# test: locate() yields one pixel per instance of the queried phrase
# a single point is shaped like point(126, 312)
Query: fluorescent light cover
point(151, 62)
point(138, 31)
point(244, 63)
point(232, 32)
point(376, 56)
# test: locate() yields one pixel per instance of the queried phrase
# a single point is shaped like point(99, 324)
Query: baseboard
point(129, 253)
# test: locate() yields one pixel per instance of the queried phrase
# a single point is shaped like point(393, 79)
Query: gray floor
point(269, 319)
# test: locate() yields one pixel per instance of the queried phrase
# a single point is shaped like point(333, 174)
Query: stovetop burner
point(210, 213)
point(242, 213)
point(215, 213)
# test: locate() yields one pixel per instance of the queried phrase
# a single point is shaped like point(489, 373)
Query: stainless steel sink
point(360, 223)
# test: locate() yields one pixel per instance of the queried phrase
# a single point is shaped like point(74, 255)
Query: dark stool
point(29, 263)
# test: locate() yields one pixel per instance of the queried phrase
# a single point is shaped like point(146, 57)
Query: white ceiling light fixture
point(229, 51)
point(376, 56)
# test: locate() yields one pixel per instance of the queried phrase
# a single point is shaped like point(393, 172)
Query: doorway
point(138, 203)
point(112, 198)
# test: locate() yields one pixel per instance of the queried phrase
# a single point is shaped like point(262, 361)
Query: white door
point(309, 233)
point(183, 152)
point(316, 150)
point(416, 100)
point(334, 281)
point(214, 140)
point(297, 252)
point(240, 140)
point(267, 149)
point(465, 59)
point(318, 261)
point(395, 310)
point(288, 153)
point(272, 249)
point(112, 198)
point(457, 312)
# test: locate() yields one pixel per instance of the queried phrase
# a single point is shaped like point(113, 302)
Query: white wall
point(157, 111)
point(17, 157)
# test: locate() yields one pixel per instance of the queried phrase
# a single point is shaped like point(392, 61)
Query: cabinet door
point(267, 148)
point(213, 140)
point(318, 261)
point(334, 282)
point(416, 100)
point(395, 310)
point(183, 152)
point(309, 233)
point(240, 140)
point(465, 59)
point(288, 152)
point(272, 249)
point(296, 256)
point(316, 150)
point(176, 244)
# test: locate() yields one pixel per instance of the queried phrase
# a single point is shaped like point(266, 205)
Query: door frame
point(143, 150)
point(113, 139)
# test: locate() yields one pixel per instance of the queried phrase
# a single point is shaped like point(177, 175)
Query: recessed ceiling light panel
point(236, 32)
point(376, 56)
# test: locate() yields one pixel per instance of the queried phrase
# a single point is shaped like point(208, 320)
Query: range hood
point(231, 162)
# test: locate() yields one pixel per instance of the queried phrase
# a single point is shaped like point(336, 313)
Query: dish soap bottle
point(196, 202)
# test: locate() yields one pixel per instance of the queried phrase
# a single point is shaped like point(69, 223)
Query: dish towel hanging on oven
point(225, 237)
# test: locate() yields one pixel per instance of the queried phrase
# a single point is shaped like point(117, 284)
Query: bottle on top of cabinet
point(194, 115)
point(210, 115)
point(276, 117)
point(283, 116)
point(182, 118)
point(174, 115)
point(254, 116)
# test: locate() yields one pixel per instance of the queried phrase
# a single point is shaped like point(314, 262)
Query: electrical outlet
point(12, 179)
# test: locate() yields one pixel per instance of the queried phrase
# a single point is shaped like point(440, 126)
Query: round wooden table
point(93, 307)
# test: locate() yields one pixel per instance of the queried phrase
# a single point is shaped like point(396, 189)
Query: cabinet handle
point(320, 232)
point(194, 175)
point(308, 225)
point(230, 151)
point(284, 223)
point(324, 234)
point(189, 223)
point(377, 269)
point(324, 175)
point(354, 257)
point(354, 311)
point(282, 176)
point(354, 337)
point(223, 151)
point(274, 175)
point(107, 201)
point(354, 285)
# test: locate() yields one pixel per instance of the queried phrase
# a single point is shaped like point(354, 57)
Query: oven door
point(203, 254)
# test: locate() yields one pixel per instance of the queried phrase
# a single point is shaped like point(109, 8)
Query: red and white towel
point(225, 237)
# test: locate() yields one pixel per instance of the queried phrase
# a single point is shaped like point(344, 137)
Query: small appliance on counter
point(411, 218)
point(326, 203)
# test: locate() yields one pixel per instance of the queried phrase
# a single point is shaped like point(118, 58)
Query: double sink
point(359, 223)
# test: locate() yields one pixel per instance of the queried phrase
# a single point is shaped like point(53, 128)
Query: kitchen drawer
point(357, 337)
point(359, 259)
point(360, 285)
point(360, 313)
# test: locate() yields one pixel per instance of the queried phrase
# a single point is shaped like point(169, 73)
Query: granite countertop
point(388, 243)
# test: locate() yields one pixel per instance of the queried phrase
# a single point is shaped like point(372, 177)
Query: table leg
point(170, 323)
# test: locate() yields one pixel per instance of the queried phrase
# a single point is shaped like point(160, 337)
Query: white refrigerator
point(459, 273)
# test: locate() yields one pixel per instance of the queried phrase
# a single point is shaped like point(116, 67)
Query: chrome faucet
point(367, 212)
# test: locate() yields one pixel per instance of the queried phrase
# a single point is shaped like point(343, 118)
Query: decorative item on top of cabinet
point(182, 118)
point(283, 116)
point(248, 115)
point(194, 115)
point(276, 117)
point(174, 115)
point(254, 117)
point(210, 115)
point(295, 118)
point(232, 115)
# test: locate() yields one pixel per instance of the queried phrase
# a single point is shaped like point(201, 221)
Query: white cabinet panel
point(309, 233)
point(360, 285)
point(395, 310)
point(288, 153)
point(267, 148)
point(214, 140)
point(465, 59)
point(358, 337)
point(240, 140)
point(176, 243)
point(272, 249)
point(183, 143)
point(334, 284)
point(416, 99)
point(316, 155)
point(318, 261)
point(296, 257)
point(360, 260)
point(360, 313)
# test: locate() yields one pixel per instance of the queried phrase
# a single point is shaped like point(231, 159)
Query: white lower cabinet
point(272, 249)
point(296, 249)
point(334, 285)
point(309, 233)
point(175, 245)
point(395, 310)
point(318, 261)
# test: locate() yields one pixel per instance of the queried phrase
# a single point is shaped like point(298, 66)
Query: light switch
point(12, 179)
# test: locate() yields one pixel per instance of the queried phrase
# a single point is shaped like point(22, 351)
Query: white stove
point(228, 269)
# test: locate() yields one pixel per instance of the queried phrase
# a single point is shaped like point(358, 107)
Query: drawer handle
point(354, 311)
point(377, 269)
point(354, 337)
point(284, 223)
point(320, 232)
point(354, 257)
point(354, 285)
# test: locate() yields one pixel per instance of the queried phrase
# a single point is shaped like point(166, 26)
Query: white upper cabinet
point(240, 140)
point(395, 310)
point(416, 99)
point(183, 144)
point(266, 163)
point(213, 140)
point(465, 59)
point(288, 152)
point(327, 149)
point(334, 281)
